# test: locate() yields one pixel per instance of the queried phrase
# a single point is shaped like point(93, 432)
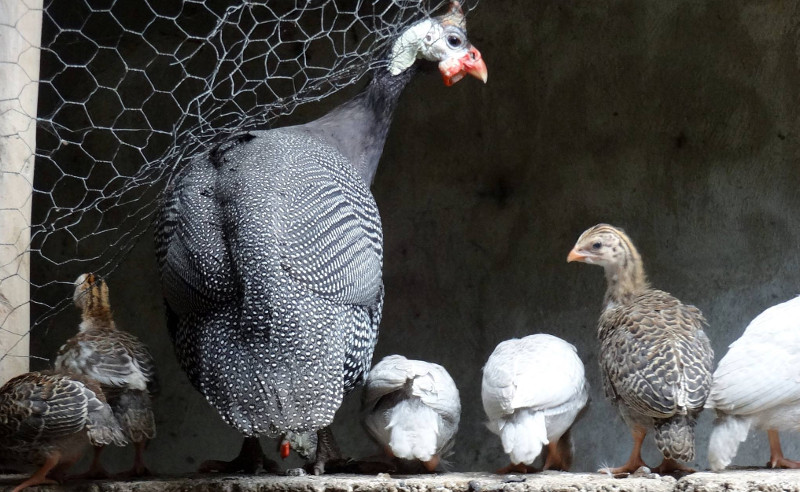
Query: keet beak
point(470, 64)
point(576, 255)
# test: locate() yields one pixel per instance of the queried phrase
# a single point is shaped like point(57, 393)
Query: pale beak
point(576, 255)
point(472, 63)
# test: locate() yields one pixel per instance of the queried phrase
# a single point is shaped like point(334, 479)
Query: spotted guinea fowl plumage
point(48, 419)
point(757, 385)
point(655, 358)
point(271, 252)
point(412, 409)
point(533, 389)
point(117, 360)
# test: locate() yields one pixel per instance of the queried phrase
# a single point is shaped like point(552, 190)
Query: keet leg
point(96, 470)
point(635, 460)
point(776, 459)
point(554, 459)
point(670, 466)
point(518, 468)
point(40, 477)
point(139, 469)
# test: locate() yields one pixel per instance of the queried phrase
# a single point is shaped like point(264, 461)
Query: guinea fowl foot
point(251, 458)
point(518, 468)
point(670, 466)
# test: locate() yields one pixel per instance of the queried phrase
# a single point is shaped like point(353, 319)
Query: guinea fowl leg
point(327, 451)
point(40, 477)
point(635, 460)
point(250, 459)
point(776, 459)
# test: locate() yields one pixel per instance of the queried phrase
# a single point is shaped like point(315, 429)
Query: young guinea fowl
point(533, 389)
point(271, 251)
point(48, 419)
point(655, 358)
point(756, 385)
point(412, 409)
point(119, 362)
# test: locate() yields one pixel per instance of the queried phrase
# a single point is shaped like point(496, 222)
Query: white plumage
point(757, 385)
point(412, 409)
point(533, 389)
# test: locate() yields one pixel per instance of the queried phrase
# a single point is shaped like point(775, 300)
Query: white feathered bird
point(757, 385)
point(533, 389)
point(412, 409)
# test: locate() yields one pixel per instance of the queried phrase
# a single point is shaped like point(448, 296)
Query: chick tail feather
point(414, 429)
point(728, 432)
point(523, 435)
point(674, 437)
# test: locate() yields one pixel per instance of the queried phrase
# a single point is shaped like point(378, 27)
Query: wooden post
point(20, 39)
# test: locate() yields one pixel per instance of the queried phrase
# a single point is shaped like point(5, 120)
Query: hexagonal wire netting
point(131, 89)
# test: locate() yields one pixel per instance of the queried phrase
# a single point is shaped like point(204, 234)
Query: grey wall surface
point(676, 120)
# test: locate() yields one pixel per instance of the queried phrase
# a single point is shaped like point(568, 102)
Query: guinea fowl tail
point(523, 435)
point(675, 437)
point(728, 432)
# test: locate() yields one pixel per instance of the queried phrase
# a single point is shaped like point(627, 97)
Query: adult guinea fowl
point(119, 362)
point(271, 250)
point(756, 385)
point(49, 419)
point(655, 358)
point(533, 389)
point(412, 409)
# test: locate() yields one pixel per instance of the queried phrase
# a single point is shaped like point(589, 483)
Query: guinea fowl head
point(611, 248)
point(440, 39)
point(91, 297)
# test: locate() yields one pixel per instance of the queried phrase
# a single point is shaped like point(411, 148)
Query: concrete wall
point(675, 120)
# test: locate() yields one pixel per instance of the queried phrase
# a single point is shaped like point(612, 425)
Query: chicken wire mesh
point(130, 89)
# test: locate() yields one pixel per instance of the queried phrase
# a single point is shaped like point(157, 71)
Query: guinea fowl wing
point(655, 354)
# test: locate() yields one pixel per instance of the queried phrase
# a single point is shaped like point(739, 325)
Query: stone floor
point(733, 481)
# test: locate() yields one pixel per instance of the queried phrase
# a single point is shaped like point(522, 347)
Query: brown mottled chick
point(48, 419)
point(655, 359)
point(119, 362)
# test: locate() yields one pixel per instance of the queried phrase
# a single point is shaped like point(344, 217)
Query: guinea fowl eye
point(454, 41)
point(596, 246)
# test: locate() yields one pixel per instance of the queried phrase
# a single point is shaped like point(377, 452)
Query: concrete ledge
point(733, 481)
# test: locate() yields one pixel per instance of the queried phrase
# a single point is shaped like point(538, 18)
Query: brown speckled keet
point(49, 419)
point(118, 361)
point(655, 358)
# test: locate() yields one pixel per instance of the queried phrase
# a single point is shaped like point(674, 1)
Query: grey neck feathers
point(625, 280)
point(359, 127)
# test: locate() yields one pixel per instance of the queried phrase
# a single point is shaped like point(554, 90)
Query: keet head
point(602, 245)
point(440, 39)
point(82, 284)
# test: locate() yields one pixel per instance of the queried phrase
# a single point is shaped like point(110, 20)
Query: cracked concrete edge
point(729, 481)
